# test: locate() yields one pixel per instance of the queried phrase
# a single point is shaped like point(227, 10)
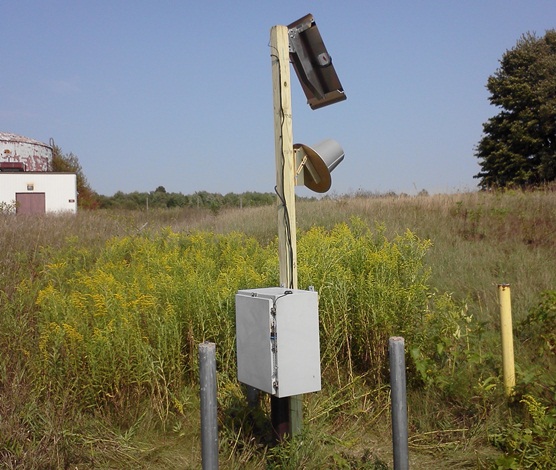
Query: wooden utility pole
point(287, 412)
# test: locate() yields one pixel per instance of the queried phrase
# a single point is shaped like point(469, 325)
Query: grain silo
point(19, 153)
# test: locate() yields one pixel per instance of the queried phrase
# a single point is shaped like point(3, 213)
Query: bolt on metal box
point(277, 334)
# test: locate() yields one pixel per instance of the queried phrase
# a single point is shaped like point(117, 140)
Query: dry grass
point(479, 240)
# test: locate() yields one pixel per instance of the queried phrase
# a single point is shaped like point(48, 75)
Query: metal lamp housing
point(316, 163)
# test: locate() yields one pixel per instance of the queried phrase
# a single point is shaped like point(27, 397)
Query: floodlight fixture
point(313, 65)
point(314, 164)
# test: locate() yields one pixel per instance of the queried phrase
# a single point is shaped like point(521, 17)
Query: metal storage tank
point(19, 153)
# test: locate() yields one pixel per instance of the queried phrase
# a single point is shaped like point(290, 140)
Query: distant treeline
point(160, 198)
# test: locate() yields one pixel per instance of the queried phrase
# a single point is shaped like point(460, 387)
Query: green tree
point(69, 163)
point(518, 147)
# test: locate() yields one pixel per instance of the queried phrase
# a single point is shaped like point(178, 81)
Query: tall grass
point(126, 326)
point(102, 313)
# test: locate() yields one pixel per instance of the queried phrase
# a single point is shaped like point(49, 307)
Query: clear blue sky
point(179, 93)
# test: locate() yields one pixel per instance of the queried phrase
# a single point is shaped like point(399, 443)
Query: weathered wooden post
point(287, 413)
point(301, 43)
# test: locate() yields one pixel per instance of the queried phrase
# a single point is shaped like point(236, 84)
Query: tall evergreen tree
point(518, 147)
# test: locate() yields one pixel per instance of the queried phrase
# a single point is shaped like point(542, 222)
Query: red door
point(30, 203)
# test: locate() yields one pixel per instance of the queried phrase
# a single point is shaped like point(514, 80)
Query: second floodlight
point(314, 164)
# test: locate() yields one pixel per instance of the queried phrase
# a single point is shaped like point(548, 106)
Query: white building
point(38, 192)
point(26, 184)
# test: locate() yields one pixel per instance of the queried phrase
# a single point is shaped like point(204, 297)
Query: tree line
point(161, 199)
point(157, 199)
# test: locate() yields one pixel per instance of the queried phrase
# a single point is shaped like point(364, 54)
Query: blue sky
point(179, 93)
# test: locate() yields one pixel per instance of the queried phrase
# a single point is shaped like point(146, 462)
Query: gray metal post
point(209, 419)
point(399, 402)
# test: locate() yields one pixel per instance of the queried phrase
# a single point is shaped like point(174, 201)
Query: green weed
point(528, 444)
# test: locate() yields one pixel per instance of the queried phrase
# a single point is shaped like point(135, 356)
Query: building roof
point(9, 137)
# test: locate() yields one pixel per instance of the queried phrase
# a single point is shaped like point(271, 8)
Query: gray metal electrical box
point(278, 348)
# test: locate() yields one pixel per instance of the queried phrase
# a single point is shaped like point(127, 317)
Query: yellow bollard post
point(508, 366)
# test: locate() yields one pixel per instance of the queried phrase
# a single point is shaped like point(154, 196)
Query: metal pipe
point(209, 418)
point(280, 417)
point(508, 366)
point(252, 396)
point(399, 402)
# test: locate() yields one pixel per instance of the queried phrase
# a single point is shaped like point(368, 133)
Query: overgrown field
point(102, 314)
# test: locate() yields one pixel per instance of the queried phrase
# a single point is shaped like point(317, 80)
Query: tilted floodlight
point(313, 64)
point(314, 164)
